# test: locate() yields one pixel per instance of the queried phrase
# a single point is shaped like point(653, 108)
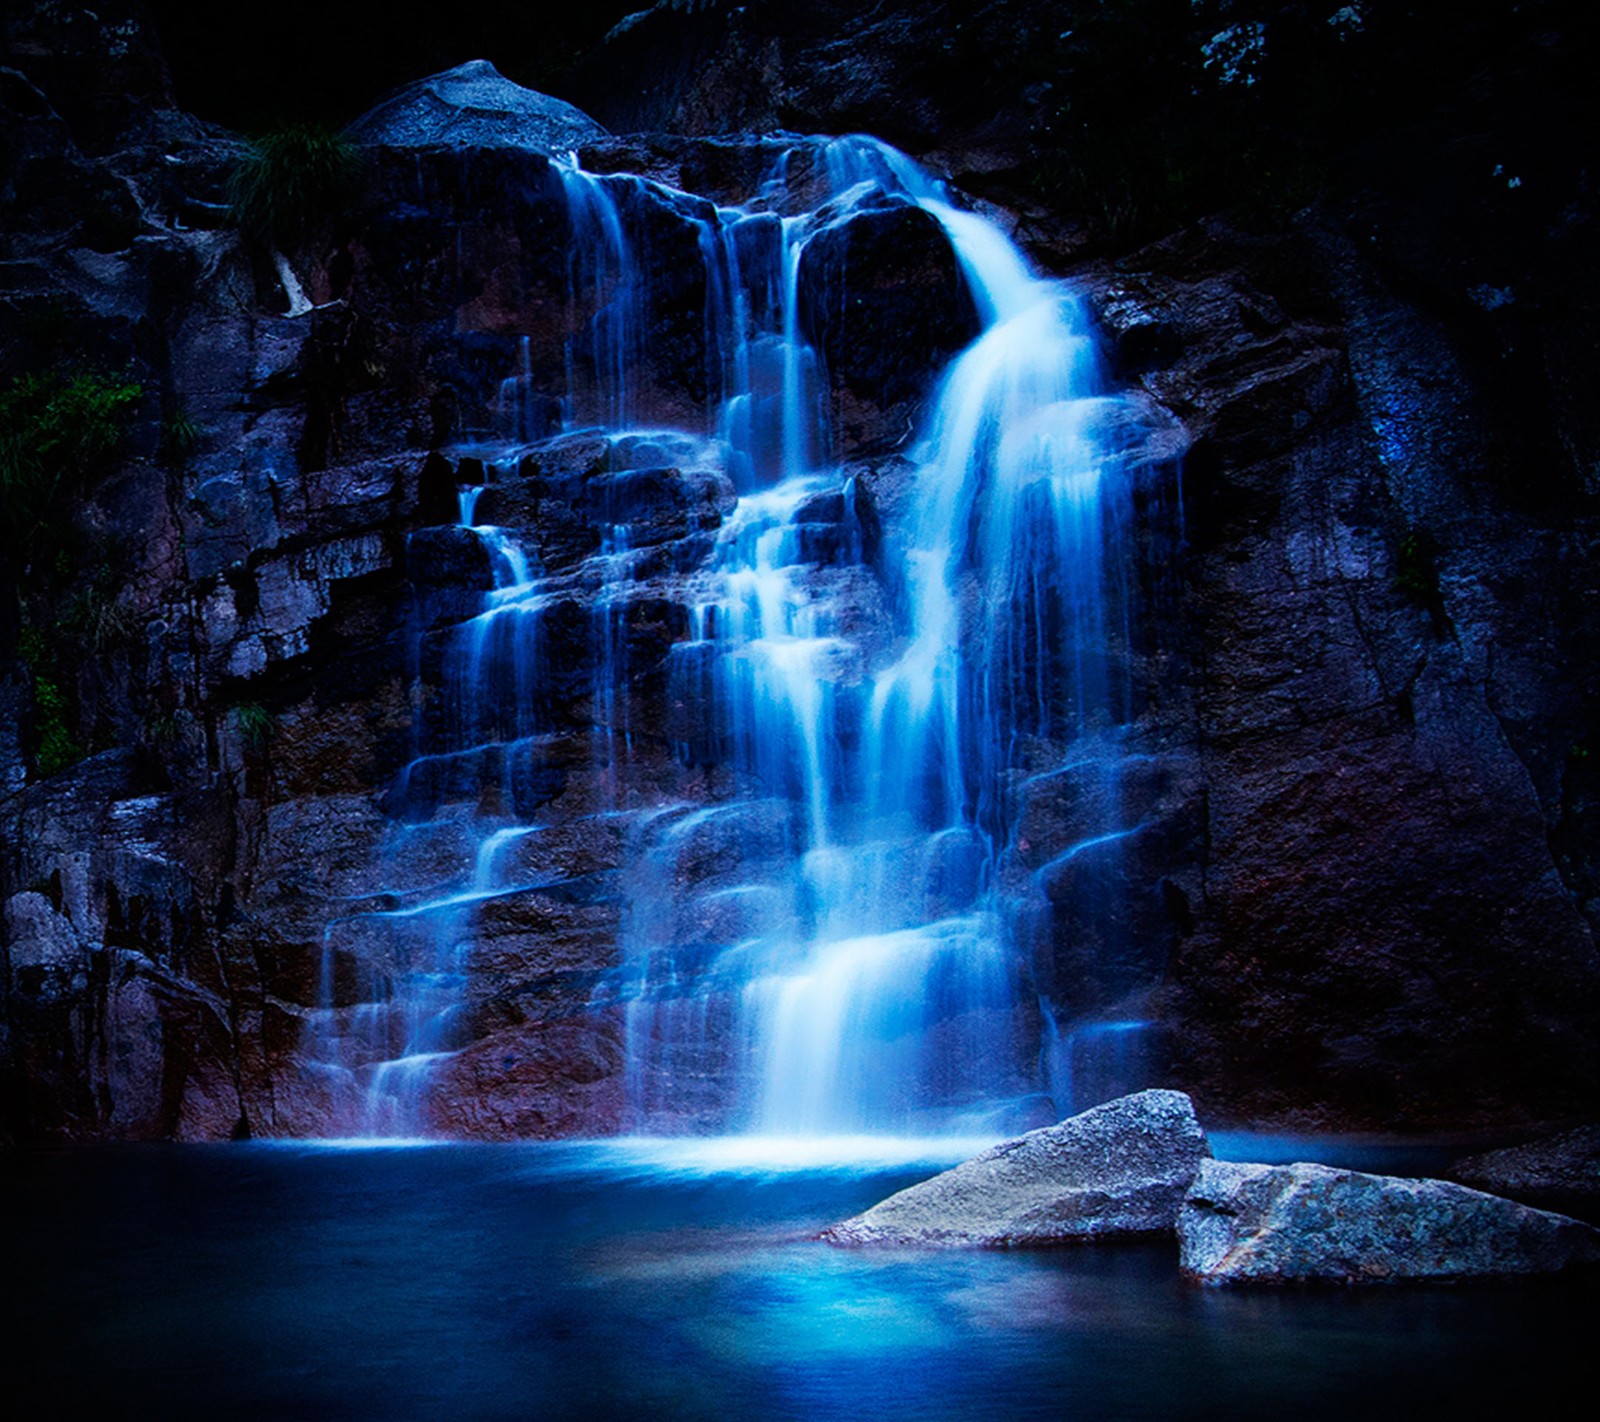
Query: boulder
point(1118, 1170)
point(1561, 1172)
point(1293, 1224)
point(474, 106)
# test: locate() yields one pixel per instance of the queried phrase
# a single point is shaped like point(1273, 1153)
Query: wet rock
point(656, 505)
point(1561, 1172)
point(40, 939)
point(725, 168)
point(449, 569)
point(474, 106)
point(533, 1081)
point(885, 302)
point(1100, 844)
point(327, 842)
point(523, 936)
point(720, 844)
point(1120, 1169)
point(1303, 1224)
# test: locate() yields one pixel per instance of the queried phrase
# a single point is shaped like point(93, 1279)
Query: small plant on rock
point(290, 180)
point(180, 439)
point(255, 724)
point(97, 619)
point(54, 746)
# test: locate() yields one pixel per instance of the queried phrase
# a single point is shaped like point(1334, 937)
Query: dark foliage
point(55, 432)
point(290, 180)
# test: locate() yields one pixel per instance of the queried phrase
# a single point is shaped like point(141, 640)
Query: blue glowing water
point(868, 976)
point(579, 1281)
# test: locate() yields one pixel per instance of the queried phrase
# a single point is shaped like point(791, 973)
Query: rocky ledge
point(1309, 1224)
point(474, 106)
point(1114, 1171)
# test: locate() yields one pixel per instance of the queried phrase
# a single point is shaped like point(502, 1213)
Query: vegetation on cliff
point(58, 431)
point(290, 179)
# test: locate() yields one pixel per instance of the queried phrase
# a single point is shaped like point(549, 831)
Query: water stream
point(858, 970)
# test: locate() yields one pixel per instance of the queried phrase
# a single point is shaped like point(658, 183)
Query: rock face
point(884, 270)
point(208, 912)
point(474, 106)
point(1385, 392)
point(1346, 871)
point(1294, 1224)
point(1562, 1172)
point(1117, 1170)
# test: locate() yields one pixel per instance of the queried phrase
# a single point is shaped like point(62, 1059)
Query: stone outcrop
point(474, 106)
point(1115, 1171)
point(1560, 1172)
point(1355, 670)
point(1310, 1224)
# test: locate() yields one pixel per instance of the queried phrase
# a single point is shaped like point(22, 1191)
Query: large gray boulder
point(474, 106)
point(1120, 1169)
point(1562, 1172)
point(1292, 1224)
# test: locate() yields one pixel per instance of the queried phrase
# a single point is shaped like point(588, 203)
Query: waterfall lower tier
point(719, 736)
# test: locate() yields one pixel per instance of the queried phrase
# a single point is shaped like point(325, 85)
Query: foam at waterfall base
point(785, 1155)
point(687, 1157)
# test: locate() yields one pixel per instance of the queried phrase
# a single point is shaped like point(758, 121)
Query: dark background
point(249, 66)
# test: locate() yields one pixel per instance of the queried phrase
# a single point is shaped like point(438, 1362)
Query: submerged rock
point(1116, 1170)
point(1289, 1224)
point(474, 106)
point(1562, 1171)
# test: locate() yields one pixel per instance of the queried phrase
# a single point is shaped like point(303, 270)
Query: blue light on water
point(484, 1283)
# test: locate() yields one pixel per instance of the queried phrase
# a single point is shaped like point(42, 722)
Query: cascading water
point(874, 986)
point(847, 962)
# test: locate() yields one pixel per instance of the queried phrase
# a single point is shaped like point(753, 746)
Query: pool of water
point(555, 1281)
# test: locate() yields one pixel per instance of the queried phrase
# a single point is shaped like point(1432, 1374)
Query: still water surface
point(556, 1281)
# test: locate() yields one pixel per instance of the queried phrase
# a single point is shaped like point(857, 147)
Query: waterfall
point(603, 340)
point(815, 938)
point(877, 989)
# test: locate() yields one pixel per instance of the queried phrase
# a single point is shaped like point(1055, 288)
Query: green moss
point(1416, 576)
point(54, 746)
point(161, 728)
point(56, 749)
point(1416, 569)
point(32, 649)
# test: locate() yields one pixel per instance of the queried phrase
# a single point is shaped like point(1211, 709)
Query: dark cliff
point(1361, 885)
